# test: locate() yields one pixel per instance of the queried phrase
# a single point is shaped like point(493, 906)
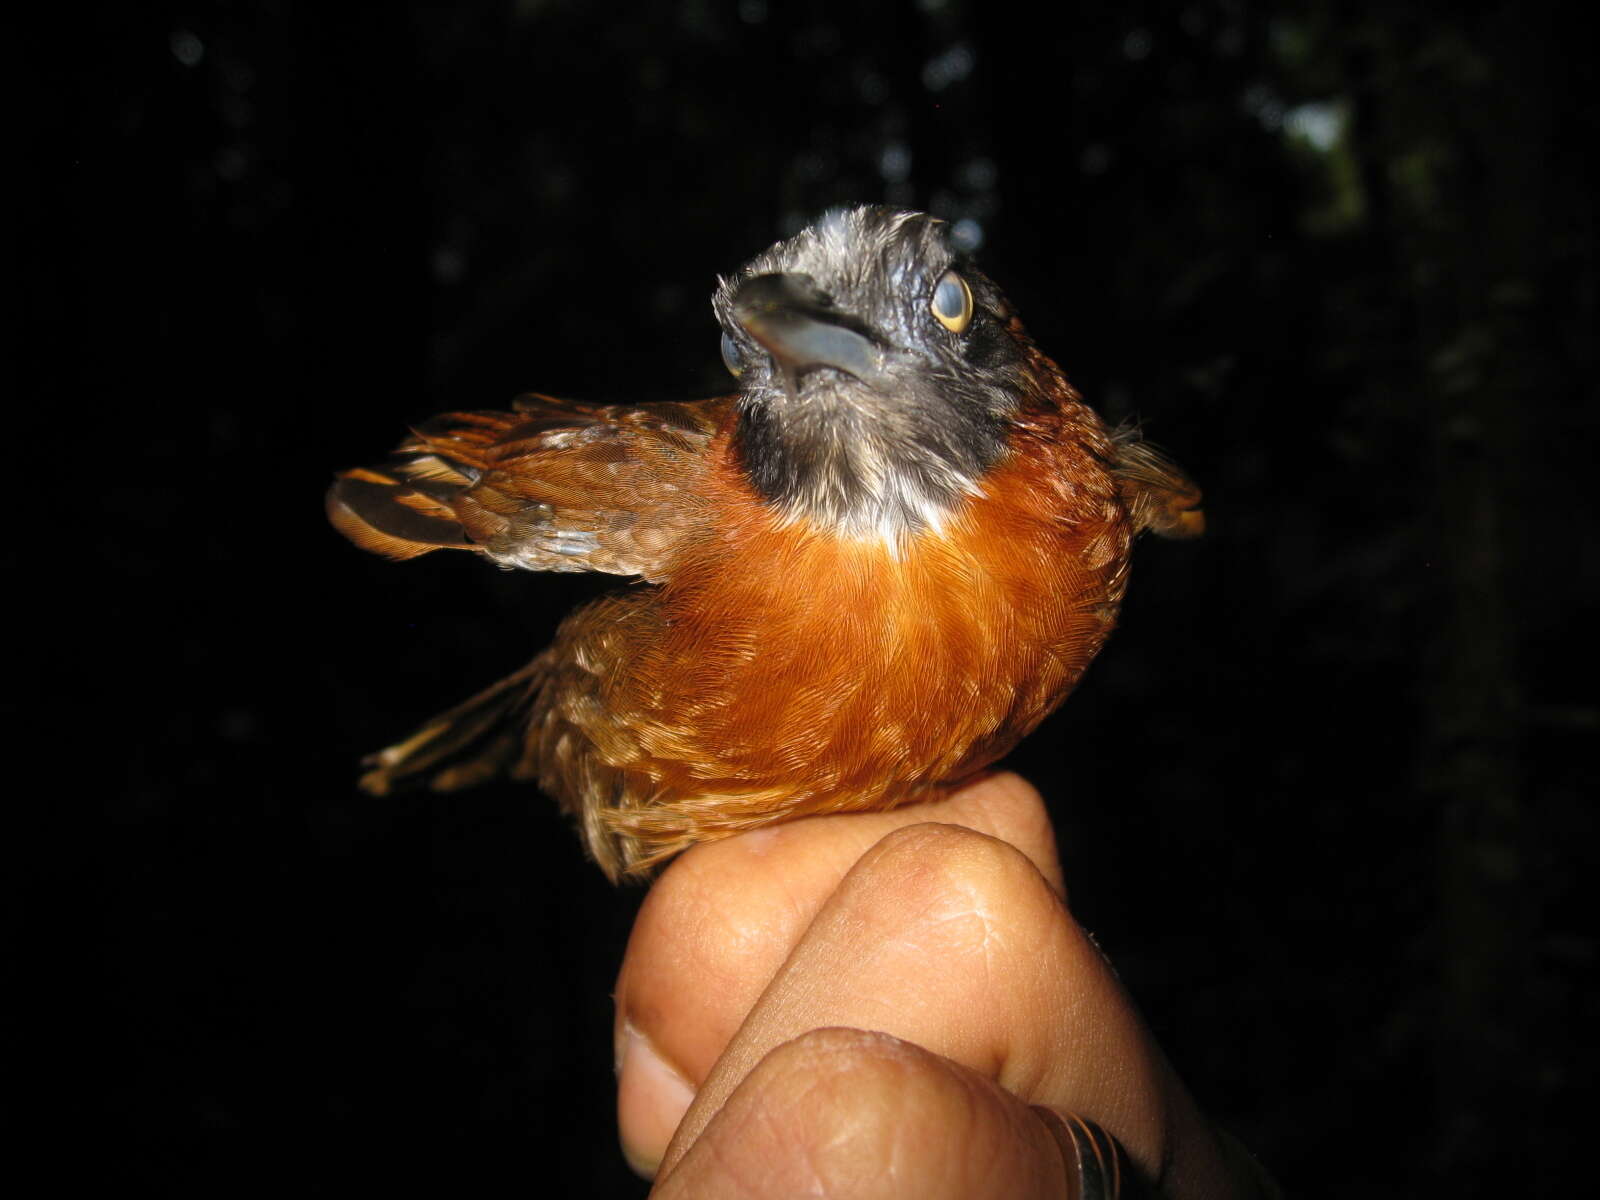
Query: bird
point(858, 579)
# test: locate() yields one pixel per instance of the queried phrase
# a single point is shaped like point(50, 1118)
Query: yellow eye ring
point(952, 302)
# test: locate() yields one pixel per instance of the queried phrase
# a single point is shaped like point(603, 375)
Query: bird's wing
point(1159, 495)
point(552, 486)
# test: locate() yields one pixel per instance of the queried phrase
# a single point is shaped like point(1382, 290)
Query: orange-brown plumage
point(788, 655)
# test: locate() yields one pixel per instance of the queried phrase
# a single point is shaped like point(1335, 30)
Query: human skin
point(871, 1004)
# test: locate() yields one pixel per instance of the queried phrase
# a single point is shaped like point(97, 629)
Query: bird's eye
point(952, 302)
point(732, 356)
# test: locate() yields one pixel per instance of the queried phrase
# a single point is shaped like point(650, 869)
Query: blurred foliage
point(1325, 798)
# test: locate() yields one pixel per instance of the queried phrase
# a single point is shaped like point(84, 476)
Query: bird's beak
point(802, 330)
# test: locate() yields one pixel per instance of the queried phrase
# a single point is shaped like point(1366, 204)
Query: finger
point(721, 921)
point(952, 940)
point(844, 1113)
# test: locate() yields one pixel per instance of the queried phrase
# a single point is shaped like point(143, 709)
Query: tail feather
point(471, 743)
point(1159, 495)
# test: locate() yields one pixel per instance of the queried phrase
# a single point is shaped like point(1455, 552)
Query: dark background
point(1325, 797)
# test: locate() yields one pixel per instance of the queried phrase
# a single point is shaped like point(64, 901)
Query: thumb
point(846, 1113)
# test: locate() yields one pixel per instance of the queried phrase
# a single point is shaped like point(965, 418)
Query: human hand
point(759, 964)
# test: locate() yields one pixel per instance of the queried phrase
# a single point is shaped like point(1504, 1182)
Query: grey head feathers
point(879, 372)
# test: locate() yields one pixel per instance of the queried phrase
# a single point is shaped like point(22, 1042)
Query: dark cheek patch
point(988, 346)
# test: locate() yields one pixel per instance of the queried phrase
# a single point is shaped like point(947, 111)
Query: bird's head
point(879, 371)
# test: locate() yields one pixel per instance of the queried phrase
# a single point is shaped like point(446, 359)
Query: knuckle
point(848, 1112)
point(974, 902)
point(834, 1054)
point(942, 866)
point(691, 917)
point(839, 1095)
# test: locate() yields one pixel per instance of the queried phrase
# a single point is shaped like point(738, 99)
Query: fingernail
point(651, 1099)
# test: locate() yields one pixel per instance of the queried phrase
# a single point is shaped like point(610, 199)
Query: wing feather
point(550, 486)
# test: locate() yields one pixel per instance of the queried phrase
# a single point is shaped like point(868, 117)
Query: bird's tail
point(1159, 495)
point(470, 744)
